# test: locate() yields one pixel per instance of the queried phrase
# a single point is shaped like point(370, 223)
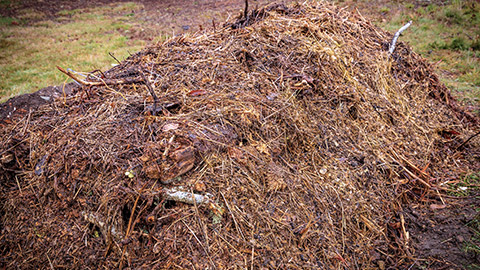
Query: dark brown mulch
point(308, 143)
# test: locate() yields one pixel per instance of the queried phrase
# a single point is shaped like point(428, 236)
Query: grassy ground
point(32, 45)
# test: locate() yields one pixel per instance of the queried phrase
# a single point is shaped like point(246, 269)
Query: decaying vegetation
point(296, 133)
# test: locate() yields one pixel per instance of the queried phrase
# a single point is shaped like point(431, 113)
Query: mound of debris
point(290, 138)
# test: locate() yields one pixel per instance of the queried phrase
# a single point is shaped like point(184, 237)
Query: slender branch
point(397, 34)
point(152, 92)
point(103, 82)
point(245, 12)
point(71, 75)
point(465, 142)
point(113, 56)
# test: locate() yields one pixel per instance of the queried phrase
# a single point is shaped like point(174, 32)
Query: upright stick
point(397, 34)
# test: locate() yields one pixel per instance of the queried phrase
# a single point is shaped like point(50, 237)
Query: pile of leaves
point(293, 136)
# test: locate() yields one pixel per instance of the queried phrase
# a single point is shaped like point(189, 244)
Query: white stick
point(397, 34)
point(186, 197)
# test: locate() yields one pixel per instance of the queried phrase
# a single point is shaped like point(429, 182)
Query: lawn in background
point(33, 45)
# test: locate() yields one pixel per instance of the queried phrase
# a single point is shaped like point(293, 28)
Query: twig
point(406, 235)
point(50, 262)
point(71, 75)
point(129, 228)
point(397, 34)
point(234, 220)
point(465, 142)
point(199, 242)
point(100, 221)
point(245, 12)
point(103, 82)
point(113, 56)
point(152, 92)
point(411, 165)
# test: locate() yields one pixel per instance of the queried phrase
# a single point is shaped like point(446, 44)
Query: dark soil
point(24, 103)
point(440, 236)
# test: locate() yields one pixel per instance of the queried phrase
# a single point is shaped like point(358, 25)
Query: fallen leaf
point(237, 154)
point(153, 172)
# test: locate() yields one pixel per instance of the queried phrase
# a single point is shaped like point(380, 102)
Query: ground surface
point(167, 17)
point(440, 236)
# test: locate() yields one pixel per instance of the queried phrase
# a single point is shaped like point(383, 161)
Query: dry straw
point(304, 136)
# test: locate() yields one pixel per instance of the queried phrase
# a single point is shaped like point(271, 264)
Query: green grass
point(450, 37)
point(79, 39)
point(468, 186)
point(473, 245)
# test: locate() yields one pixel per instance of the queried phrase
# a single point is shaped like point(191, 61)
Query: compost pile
point(289, 138)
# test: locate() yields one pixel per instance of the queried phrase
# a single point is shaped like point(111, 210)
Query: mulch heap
point(289, 139)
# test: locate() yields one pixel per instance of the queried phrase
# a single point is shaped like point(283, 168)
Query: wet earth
point(441, 237)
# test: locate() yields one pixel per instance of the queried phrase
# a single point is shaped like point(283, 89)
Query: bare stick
point(71, 75)
point(245, 12)
point(465, 142)
point(113, 56)
point(397, 34)
point(152, 92)
point(103, 82)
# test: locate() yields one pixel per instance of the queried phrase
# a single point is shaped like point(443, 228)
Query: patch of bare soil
point(440, 236)
point(22, 104)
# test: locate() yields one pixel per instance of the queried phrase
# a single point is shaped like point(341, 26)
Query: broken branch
point(103, 82)
point(397, 34)
point(245, 12)
point(465, 142)
point(152, 92)
point(186, 197)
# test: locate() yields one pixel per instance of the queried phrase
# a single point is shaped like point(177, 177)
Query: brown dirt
point(437, 235)
point(167, 16)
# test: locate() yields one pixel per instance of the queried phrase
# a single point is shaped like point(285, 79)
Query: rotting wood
point(178, 195)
